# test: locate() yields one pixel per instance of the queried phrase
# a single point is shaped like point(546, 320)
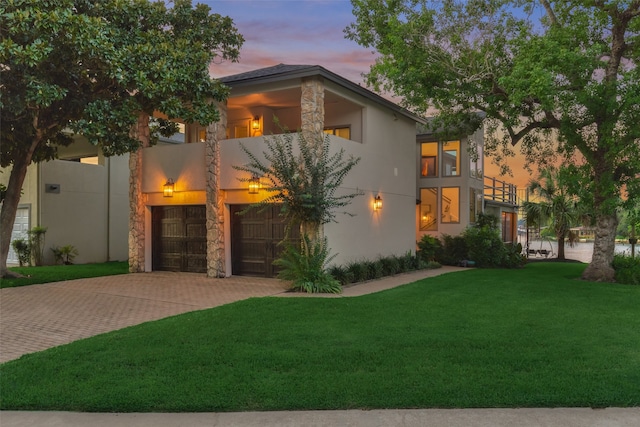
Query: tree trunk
point(600, 269)
point(140, 131)
point(10, 204)
point(561, 247)
point(215, 199)
point(313, 232)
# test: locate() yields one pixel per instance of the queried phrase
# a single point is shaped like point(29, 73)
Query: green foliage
point(23, 250)
point(485, 220)
point(454, 250)
point(308, 271)
point(357, 271)
point(65, 254)
point(430, 248)
point(627, 269)
point(485, 247)
point(57, 273)
point(36, 244)
point(303, 178)
point(556, 205)
point(341, 274)
point(390, 265)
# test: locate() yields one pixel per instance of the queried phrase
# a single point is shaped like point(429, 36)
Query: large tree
point(559, 78)
point(101, 68)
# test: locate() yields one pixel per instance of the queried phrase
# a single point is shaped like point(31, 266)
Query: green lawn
point(57, 273)
point(535, 337)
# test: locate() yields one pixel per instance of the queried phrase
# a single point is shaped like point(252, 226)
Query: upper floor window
point(342, 131)
point(429, 159)
point(451, 158)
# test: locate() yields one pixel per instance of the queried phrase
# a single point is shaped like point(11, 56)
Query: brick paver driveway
point(37, 317)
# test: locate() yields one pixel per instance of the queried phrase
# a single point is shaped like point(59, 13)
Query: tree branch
point(550, 13)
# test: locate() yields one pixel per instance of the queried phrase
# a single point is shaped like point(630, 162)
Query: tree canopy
point(93, 67)
point(559, 79)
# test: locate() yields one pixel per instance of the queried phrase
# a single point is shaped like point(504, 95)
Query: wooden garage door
point(179, 238)
point(254, 240)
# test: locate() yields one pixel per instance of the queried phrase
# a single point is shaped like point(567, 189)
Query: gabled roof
point(283, 72)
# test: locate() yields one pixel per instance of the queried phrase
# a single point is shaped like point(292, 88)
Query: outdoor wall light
point(377, 203)
point(255, 123)
point(167, 188)
point(254, 185)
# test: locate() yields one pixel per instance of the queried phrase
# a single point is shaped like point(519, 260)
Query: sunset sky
point(309, 32)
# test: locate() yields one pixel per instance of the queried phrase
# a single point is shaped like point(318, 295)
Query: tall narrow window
point(428, 209)
point(451, 158)
point(429, 159)
point(450, 205)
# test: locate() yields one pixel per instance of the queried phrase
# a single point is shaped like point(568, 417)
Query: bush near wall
point(627, 269)
point(361, 271)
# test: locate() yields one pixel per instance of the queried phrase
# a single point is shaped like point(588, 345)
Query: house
point(453, 190)
point(83, 197)
point(190, 193)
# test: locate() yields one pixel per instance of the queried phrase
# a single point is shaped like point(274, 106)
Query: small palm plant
point(555, 204)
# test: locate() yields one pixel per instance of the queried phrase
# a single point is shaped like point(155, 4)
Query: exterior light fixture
point(254, 185)
point(255, 123)
point(167, 188)
point(377, 203)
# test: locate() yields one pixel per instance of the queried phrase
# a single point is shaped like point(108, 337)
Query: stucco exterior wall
point(77, 214)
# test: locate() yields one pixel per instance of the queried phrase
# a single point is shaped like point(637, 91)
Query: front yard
point(535, 337)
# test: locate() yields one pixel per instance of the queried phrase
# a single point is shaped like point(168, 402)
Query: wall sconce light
point(255, 123)
point(377, 203)
point(254, 185)
point(167, 188)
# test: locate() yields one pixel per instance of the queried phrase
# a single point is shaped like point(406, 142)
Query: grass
point(535, 337)
point(57, 273)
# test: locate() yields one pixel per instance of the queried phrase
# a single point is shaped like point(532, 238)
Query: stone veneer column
point(312, 111)
point(137, 199)
point(215, 196)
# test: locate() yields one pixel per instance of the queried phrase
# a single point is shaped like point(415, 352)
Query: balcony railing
point(500, 191)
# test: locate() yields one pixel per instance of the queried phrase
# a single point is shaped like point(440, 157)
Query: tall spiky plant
point(303, 180)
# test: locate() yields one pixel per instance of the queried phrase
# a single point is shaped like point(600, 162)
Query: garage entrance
point(179, 238)
point(254, 240)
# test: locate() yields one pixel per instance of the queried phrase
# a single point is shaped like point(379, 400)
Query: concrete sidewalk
point(524, 417)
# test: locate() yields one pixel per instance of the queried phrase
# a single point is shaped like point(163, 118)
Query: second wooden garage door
point(254, 240)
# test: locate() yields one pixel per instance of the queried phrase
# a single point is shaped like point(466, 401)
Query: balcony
point(499, 191)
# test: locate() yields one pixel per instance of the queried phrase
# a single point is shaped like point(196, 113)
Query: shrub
point(485, 246)
point(36, 244)
point(374, 269)
point(432, 265)
point(64, 254)
point(341, 274)
point(23, 250)
point(454, 250)
point(308, 272)
point(358, 271)
point(627, 269)
point(430, 248)
point(514, 256)
point(390, 265)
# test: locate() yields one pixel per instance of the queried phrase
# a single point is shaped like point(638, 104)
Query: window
point(429, 159)
point(450, 205)
point(477, 160)
point(451, 158)
point(342, 132)
point(475, 204)
point(428, 209)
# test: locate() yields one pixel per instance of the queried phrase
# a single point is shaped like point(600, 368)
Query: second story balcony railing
point(500, 191)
